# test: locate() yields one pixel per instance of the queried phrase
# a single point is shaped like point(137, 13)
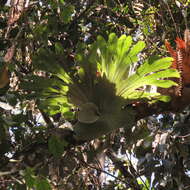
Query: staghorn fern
point(102, 85)
point(115, 64)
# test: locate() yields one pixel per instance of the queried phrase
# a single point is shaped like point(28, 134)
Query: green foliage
point(112, 62)
point(117, 57)
point(37, 182)
point(29, 177)
point(47, 36)
point(66, 13)
point(42, 184)
point(145, 185)
point(108, 78)
point(56, 146)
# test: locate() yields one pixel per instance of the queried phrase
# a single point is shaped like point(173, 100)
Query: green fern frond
point(118, 55)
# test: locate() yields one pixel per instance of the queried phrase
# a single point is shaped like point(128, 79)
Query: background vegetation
point(153, 154)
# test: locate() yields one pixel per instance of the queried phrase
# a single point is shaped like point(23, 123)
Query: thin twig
point(47, 119)
point(185, 136)
point(8, 172)
point(171, 17)
point(100, 170)
point(136, 173)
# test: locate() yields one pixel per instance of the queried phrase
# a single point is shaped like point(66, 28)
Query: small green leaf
point(59, 48)
point(62, 1)
point(66, 13)
point(56, 146)
point(29, 177)
point(42, 184)
point(68, 115)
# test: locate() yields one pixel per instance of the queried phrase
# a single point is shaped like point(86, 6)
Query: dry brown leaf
point(4, 77)
point(9, 55)
point(17, 9)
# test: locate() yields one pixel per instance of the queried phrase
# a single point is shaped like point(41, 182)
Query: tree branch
point(123, 169)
